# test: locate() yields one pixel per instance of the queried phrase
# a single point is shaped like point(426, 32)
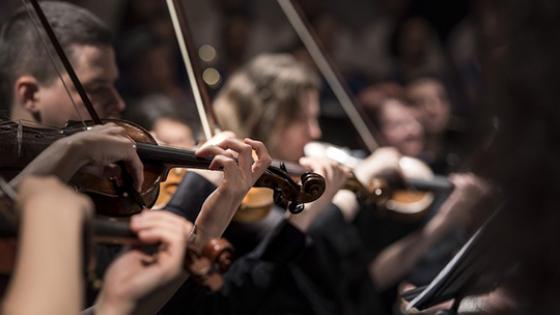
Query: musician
point(426, 246)
point(442, 134)
point(524, 100)
point(400, 128)
point(274, 98)
point(36, 95)
point(47, 277)
point(520, 247)
point(167, 123)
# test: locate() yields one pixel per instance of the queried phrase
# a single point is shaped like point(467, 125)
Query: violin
point(23, 143)
point(205, 265)
point(258, 202)
point(407, 197)
point(169, 186)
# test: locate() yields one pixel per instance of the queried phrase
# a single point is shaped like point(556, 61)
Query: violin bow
point(8, 198)
point(186, 46)
point(129, 191)
point(302, 27)
point(7, 190)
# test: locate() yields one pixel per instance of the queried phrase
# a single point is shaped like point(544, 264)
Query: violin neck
point(436, 184)
point(171, 157)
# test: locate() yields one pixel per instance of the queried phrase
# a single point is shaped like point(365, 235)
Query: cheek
point(291, 142)
point(56, 105)
point(393, 136)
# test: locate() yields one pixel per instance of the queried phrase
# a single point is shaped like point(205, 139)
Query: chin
point(412, 150)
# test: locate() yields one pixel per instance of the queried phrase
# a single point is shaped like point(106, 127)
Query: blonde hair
point(264, 96)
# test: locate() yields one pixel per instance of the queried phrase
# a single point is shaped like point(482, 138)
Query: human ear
point(25, 93)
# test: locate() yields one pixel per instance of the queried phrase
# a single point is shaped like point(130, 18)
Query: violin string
point(8, 211)
point(19, 138)
point(37, 30)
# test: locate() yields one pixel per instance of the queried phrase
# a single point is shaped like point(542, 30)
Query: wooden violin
point(206, 265)
point(23, 143)
point(408, 195)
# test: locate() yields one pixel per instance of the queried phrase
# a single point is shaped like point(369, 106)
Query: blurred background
point(378, 46)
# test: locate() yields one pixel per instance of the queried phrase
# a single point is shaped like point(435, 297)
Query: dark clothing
point(336, 266)
point(190, 195)
point(248, 283)
point(252, 276)
point(279, 277)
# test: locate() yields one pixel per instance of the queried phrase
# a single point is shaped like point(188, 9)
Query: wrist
point(75, 156)
point(347, 202)
point(197, 239)
point(104, 306)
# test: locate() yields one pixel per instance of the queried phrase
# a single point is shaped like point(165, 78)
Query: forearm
point(191, 194)
point(62, 159)
point(154, 302)
point(399, 258)
point(216, 214)
point(150, 305)
point(49, 256)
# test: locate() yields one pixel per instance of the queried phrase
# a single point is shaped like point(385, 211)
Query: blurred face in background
point(400, 128)
point(288, 141)
point(173, 132)
point(430, 100)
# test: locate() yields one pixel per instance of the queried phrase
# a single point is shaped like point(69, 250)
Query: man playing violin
point(34, 93)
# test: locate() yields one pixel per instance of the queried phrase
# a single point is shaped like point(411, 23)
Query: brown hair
point(264, 95)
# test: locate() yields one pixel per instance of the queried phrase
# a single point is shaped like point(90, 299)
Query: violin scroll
point(208, 265)
point(287, 193)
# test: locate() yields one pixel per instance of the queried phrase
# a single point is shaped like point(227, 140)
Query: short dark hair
point(22, 51)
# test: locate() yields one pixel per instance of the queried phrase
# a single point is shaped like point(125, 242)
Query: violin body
point(23, 143)
point(169, 186)
point(408, 198)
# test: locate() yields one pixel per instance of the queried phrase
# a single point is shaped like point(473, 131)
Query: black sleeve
point(331, 227)
point(247, 282)
point(190, 195)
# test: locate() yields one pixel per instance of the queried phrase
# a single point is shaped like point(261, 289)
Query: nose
point(115, 104)
point(120, 105)
point(314, 130)
point(415, 128)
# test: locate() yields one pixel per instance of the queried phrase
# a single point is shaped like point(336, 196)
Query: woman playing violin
point(275, 99)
